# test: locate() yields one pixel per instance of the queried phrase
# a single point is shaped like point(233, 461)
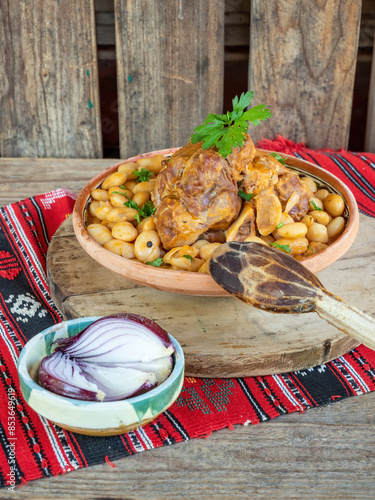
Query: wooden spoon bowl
point(273, 281)
point(197, 283)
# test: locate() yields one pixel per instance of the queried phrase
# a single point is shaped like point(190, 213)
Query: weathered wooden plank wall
point(370, 125)
point(49, 99)
point(169, 70)
point(302, 64)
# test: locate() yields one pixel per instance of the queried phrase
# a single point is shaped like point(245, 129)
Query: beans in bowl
point(122, 216)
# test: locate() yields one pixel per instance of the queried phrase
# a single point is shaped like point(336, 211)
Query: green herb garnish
point(278, 158)
point(142, 175)
point(245, 196)
point(286, 248)
point(147, 210)
point(156, 263)
point(280, 225)
point(228, 131)
point(188, 257)
point(118, 192)
point(315, 205)
point(131, 204)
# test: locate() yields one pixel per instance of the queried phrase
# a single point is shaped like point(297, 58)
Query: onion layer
point(116, 357)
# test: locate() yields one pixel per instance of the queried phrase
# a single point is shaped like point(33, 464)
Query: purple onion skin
point(62, 388)
point(62, 344)
point(57, 386)
point(53, 384)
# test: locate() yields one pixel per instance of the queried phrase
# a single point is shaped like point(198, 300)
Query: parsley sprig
point(245, 196)
point(286, 248)
point(278, 158)
point(315, 205)
point(142, 175)
point(155, 263)
point(147, 209)
point(228, 131)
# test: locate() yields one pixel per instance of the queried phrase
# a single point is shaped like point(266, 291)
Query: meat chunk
point(288, 184)
point(213, 236)
point(261, 173)
point(244, 226)
point(241, 157)
point(172, 171)
point(195, 192)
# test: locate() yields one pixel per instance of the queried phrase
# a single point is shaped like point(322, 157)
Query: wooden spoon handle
point(349, 319)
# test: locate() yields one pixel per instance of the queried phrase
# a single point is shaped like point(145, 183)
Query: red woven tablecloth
point(32, 447)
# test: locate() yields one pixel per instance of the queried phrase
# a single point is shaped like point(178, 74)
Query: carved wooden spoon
point(271, 280)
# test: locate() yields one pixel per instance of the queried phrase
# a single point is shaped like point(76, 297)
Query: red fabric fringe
point(283, 145)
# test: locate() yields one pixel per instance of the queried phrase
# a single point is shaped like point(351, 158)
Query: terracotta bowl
point(91, 417)
point(192, 283)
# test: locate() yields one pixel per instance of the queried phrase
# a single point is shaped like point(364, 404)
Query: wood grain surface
point(302, 64)
point(370, 124)
point(49, 80)
point(220, 336)
point(322, 454)
point(169, 70)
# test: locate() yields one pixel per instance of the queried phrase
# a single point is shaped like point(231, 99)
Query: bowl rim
point(135, 267)
point(23, 371)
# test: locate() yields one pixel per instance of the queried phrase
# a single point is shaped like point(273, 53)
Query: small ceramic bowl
point(193, 283)
point(90, 417)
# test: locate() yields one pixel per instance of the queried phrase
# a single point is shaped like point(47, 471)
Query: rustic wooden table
point(323, 453)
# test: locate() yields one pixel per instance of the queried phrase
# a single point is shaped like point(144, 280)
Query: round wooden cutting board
point(220, 336)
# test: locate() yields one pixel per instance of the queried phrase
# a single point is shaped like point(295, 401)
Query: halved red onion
point(60, 374)
point(161, 367)
point(115, 357)
point(119, 338)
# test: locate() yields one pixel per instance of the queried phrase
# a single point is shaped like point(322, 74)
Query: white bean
point(117, 200)
point(119, 214)
point(317, 232)
point(141, 198)
point(114, 180)
point(100, 233)
point(321, 217)
point(295, 230)
point(336, 226)
point(128, 250)
point(147, 224)
point(114, 246)
point(128, 168)
point(315, 202)
point(152, 163)
point(124, 231)
point(99, 194)
point(297, 246)
point(308, 220)
point(103, 209)
point(334, 205)
point(146, 246)
point(144, 186)
point(321, 194)
point(93, 206)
